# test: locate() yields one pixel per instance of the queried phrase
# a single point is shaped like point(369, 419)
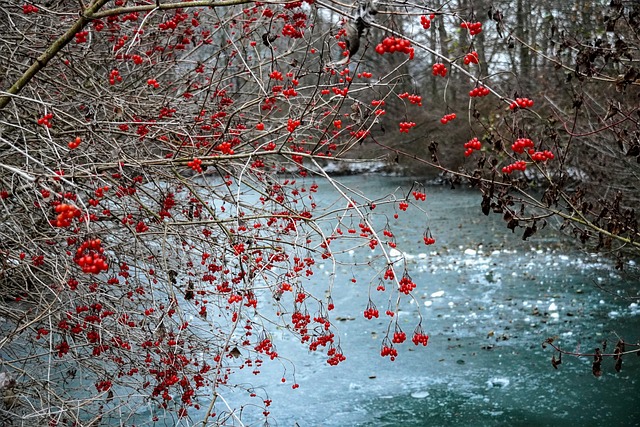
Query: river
point(489, 300)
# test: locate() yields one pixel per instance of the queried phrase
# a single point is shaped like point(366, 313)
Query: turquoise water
point(489, 300)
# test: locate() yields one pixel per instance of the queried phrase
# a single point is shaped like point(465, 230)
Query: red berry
point(439, 69)
point(426, 22)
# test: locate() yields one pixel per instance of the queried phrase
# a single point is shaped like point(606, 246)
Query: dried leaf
point(618, 366)
point(596, 368)
point(267, 39)
point(529, 231)
point(555, 362)
point(172, 276)
point(188, 295)
point(486, 205)
point(633, 150)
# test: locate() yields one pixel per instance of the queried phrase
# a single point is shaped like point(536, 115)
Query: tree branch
point(51, 52)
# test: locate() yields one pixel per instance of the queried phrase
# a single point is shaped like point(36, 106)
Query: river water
point(489, 300)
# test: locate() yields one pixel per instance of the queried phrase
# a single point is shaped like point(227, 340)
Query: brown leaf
point(529, 231)
point(486, 204)
point(618, 365)
point(188, 294)
point(172, 276)
point(555, 362)
point(235, 352)
point(596, 368)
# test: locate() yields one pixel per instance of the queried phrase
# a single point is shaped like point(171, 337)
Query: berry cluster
point(470, 58)
point(439, 69)
point(154, 83)
point(62, 348)
point(420, 338)
point(521, 144)
point(65, 214)
point(395, 44)
point(389, 350)
point(114, 76)
point(428, 238)
point(341, 92)
point(343, 45)
point(224, 148)
point(290, 31)
point(406, 284)
point(90, 257)
point(426, 22)
point(521, 103)
point(414, 99)
point(81, 36)
point(471, 145)
point(195, 164)
point(336, 356)
point(170, 24)
point(419, 195)
point(447, 118)
point(520, 165)
point(473, 27)
point(371, 311)
point(45, 120)
point(75, 143)
point(405, 126)
point(292, 125)
point(266, 346)
point(399, 336)
point(541, 156)
point(276, 75)
point(479, 92)
point(29, 8)
point(103, 385)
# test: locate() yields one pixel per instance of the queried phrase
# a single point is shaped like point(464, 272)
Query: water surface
point(489, 300)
